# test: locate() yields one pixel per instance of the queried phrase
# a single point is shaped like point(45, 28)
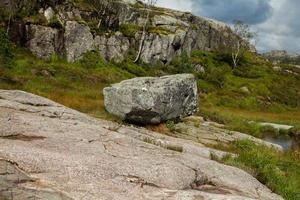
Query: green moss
point(159, 30)
point(129, 30)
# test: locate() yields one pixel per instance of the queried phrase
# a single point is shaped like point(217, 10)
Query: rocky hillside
point(49, 151)
point(277, 56)
point(71, 28)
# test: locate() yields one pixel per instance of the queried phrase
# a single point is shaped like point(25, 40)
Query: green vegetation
point(252, 92)
point(170, 125)
point(271, 95)
point(280, 171)
point(55, 23)
point(129, 30)
point(159, 30)
point(6, 50)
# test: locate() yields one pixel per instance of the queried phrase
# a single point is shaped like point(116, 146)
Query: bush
point(133, 68)
point(91, 60)
point(217, 75)
point(6, 49)
point(55, 23)
point(170, 125)
point(129, 30)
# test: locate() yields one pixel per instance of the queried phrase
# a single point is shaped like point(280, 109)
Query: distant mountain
point(282, 56)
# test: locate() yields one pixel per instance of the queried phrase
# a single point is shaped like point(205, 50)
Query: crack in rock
point(22, 137)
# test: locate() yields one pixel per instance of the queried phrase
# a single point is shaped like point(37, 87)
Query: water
point(286, 142)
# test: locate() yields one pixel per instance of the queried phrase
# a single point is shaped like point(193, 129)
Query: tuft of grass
point(170, 124)
point(280, 171)
point(129, 30)
point(248, 121)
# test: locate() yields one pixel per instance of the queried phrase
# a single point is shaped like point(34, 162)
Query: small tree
point(241, 42)
point(18, 8)
point(148, 5)
point(101, 8)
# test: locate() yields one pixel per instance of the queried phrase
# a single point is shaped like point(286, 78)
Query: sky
point(277, 22)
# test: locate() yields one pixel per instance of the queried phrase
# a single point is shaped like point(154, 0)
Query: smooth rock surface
point(53, 152)
point(211, 133)
point(151, 100)
point(277, 126)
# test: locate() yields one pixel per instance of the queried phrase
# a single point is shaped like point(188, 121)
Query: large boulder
point(43, 41)
point(151, 100)
point(78, 40)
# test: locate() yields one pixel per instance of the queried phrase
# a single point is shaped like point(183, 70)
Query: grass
point(272, 97)
point(74, 85)
point(280, 171)
point(247, 121)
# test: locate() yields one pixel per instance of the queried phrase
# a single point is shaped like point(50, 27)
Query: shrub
point(170, 125)
point(133, 68)
point(217, 75)
point(130, 30)
point(55, 23)
point(6, 49)
point(91, 60)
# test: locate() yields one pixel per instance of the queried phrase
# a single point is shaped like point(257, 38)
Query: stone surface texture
point(49, 151)
point(78, 40)
point(152, 100)
point(171, 33)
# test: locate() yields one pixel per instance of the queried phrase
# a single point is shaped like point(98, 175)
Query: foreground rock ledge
point(48, 151)
point(152, 100)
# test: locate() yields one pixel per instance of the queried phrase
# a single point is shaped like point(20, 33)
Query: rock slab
point(50, 152)
point(152, 100)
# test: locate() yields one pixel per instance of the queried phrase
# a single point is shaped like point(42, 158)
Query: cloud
point(277, 21)
point(282, 30)
point(248, 11)
point(183, 5)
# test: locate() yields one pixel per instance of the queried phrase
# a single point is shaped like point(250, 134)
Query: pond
point(286, 142)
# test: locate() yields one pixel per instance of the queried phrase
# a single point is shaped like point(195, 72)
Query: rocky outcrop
point(169, 34)
point(78, 40)
point(112, 47)
point(211, 133)
point(70, 155)
point(148, 100)
point(44, 41)
point(277, 56)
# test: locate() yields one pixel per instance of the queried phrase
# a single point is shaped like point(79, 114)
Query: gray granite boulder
point(151, 100)
point(43, 41)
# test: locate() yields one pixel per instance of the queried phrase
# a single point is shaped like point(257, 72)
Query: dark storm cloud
point(248, 11)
